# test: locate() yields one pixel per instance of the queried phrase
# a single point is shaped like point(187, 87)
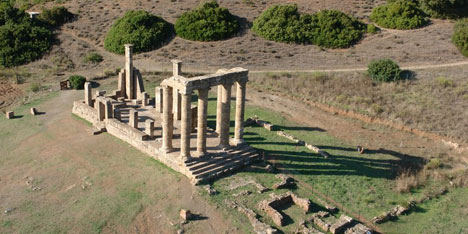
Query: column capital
point(185, 91)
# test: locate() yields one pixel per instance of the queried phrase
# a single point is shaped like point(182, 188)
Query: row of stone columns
point(223, 118)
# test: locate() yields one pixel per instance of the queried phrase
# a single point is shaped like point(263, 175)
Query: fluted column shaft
point(240, 110)
point(225, 116)
point(202, 121)
point(219, 108)
point(185, 126)
point(168, 120)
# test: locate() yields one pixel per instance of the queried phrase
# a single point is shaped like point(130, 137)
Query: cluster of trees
point(23, 39)
point(328, 28)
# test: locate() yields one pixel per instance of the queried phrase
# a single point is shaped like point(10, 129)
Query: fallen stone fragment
point(10, 114)
point(341, 224)
point(358, 229)
point(186, 214)
point(9, 210)
point(33, 111)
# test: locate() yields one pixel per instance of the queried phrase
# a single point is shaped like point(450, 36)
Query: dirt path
point(63, 154)
point(153, 66)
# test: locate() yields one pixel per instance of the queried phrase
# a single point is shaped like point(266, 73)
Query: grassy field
point(362, 183)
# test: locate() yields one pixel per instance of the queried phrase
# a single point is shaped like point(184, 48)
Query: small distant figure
point(360, 149)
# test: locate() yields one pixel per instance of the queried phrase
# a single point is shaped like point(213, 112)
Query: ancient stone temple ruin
point(169, 127)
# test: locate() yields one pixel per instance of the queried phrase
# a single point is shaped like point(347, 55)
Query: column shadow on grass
point(306, 162)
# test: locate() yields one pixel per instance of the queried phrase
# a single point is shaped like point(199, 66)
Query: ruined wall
point(86, 112)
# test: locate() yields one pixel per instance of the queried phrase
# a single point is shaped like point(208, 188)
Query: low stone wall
point(270, 206)
point(86, 112)
point(258, 226)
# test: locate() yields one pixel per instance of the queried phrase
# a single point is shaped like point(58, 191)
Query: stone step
point(226, 167)
point(218, 160)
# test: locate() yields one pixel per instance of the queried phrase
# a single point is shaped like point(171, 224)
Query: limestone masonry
point(169, 128)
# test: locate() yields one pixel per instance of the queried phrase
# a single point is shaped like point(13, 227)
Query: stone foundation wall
point(86, 112)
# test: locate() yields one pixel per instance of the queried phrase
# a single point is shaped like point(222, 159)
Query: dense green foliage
point(208, 22)
point(384, 70)
point(77, 81)
point(460, 36)
point(22, 39)
point(445, 8)
point(400, 14)
point(56, 16)
point(145, 31)
point(372, 29)
point(328, 28)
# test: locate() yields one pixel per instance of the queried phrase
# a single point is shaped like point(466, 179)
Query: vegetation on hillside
point(327, 28)
point(445, 8)
point(77, 81)
point(384, 70)
point(56, 16)
point(208, 22)
point(399, 14)
point(22, 39)
point(145, 31)
point(460, 36)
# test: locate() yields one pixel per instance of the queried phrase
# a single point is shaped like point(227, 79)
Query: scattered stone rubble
point(258, 226)
point(286, 182)
point(341, 224)
point(303, 229)
point(270, 127)
point(392, 214)
point(272, 205)
point(240, 182)
point(358, 229)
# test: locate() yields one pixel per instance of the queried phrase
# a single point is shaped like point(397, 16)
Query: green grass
point(363, 184)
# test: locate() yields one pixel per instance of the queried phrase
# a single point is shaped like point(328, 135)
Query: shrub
point(145, 31)
point(384, 70)
point(22, 40)
point(460, 36)
point(445, 8)
point(56, 16)
point(36, 87)
point(208, 22)
point(400, 14)
point(328, 28)
point(445, 83)
point(93, 57)
point(372, 29)
point(434, 164)
point(77, 81)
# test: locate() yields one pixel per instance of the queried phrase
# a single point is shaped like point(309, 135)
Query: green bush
point(22, 39)
point(372, 29)
point(77, 81)
point(445, 8)
point(93, 57)
point(460, 36)
point(145, 31)
point(208, 22)
point(384, 70)
point(56, 16)
point(400, 14)
point(328, 28)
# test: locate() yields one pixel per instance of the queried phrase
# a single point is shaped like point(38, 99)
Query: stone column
point(133, 118)
point(185, 125)
point(129, 80)
point(109, 111)
point(225, 116)
point(88, 94)
point(117, 114)
point(101, 109)
point(240, 110)
point(145, 99)
point(177, 102)
point(219, 106)
point(202, 122)
point(176, 67)
point(158, 100)
point(168, 120)
point(149, 128)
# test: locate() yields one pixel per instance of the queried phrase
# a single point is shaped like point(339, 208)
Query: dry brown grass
point(427, 103)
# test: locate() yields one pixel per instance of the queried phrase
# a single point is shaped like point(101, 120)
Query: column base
point(202, 154)
point(238, 142)
point(186, 159)
point(167, 150)
point(224, 146)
